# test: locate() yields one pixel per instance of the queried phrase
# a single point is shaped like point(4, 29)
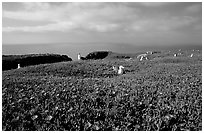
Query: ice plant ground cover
point(163, 93)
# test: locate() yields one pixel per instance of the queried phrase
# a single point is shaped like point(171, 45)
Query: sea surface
point(72, 49)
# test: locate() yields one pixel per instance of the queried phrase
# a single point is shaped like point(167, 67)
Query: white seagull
point(119, 70)
point(19, 66)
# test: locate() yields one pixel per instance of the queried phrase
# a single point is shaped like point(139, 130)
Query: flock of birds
point(120, 69)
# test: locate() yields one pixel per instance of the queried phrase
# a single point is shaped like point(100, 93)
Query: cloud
point(103, 27)
point(162, 24)
point(30, 16)
point(194, 8)
point(98, 16)
point(61, 26)
point(176, 22)
point(64, 26)
point(67, 11)
point(154, 4)
point(34, 11)
point(36, 6)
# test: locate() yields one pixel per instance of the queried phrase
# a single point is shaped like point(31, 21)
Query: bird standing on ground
point(79, 56)
point(19, 66)
point(142, 56)
point(119, 70)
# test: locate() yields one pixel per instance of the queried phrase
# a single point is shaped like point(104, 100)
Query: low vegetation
point(164, 93)
point(12, 61)
point(111, 55)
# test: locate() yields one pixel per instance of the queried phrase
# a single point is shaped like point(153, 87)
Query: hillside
point(107, 55)
point(163, 93)
point(113, 55)
point(12, 61)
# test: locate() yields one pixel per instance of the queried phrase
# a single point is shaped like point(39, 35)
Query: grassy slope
point(161, 94)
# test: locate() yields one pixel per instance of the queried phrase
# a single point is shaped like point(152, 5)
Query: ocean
point(72, 49)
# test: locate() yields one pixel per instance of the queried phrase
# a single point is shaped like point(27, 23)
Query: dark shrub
point(97, 55)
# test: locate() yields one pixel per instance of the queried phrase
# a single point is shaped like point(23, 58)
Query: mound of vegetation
point(113, 55)
point(120, 56)
point(108, 55)
point(98, 55)
point(12, 61)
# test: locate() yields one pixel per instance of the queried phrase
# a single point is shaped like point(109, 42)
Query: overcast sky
point(133, 23)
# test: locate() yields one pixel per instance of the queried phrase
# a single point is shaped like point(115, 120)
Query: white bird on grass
point(79, 56)
point(19, 66)
point(119, 70)
point(141, 56)
point(149, 52)
point(128, 59)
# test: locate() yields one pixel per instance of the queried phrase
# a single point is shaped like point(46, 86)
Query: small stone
point(49, 118)
point(32, 111)
point(116, 128)
point(34, 117)
point(17, 118)
point(167, 117)
point(19, 100)
point(31, 98)
point(97, 128)
point(70, 109)
point(89, 124)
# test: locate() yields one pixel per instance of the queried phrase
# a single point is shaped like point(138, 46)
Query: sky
point(100, 25)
